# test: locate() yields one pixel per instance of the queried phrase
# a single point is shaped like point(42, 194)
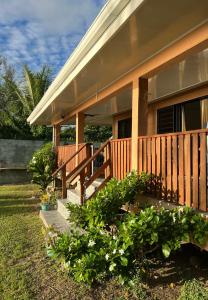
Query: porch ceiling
point(152, 26)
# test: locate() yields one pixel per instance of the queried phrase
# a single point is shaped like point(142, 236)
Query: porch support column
point(135, 124)
point(139, 116)
point(56, 135)
point(79, 131)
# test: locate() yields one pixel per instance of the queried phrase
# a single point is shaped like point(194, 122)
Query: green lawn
point(25, 270)
point(27, 273)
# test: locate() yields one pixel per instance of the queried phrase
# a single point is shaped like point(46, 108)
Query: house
point(142, 67)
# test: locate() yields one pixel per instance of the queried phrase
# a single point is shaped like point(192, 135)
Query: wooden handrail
point(82, 170)
point(97, 173)
point(90, 159)
point(68, 160)
point(100, 186)
point(70, 176)
point(174, 133)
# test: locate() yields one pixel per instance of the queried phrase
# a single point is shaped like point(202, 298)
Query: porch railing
point(66, 172)
point(83, 170)
point(66, 151)
point(177, 162)
point(121, 157)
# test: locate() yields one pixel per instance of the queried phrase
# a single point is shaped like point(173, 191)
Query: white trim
point(110, 19)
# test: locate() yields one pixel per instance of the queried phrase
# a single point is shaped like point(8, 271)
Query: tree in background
point(97, 133)
point(11, 121)
point(30, 92)
point(92, 133)
point(18, 98)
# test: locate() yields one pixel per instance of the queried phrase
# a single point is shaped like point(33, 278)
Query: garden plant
point(112, 244)
point(42, 165)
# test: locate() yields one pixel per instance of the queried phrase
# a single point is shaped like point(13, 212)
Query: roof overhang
point(125, 33)
point(103, 28)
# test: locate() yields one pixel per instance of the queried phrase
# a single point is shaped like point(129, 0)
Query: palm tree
point(33, 88)
point(19, 98)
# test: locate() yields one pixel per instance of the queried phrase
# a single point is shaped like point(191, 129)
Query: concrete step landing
point(61, 208)
point(55, 219)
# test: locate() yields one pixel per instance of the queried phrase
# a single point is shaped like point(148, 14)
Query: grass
point(27, 274)
point(25, 270)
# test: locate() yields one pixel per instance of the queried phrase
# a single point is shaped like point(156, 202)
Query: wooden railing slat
point(140, 156)
point(187, 160)
point(174, 195)
point(181, 191)
point(169, 168)
point(158, 167)
point(195, 163)
point(164, 181)
point(203, 172)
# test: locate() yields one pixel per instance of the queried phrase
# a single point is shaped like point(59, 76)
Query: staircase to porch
point(59, 218)
point(79, 184)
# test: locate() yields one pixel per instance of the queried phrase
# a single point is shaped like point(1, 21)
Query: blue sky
point(37, 32)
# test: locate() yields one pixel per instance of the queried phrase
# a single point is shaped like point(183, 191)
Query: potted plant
point(52, 198)
point(45, 202)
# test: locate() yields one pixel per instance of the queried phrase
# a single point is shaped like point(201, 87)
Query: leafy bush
point(100, 253)
point(105, 206)
point(138, 288)
point(113, 246)
point(193, 290)
point(42, 165)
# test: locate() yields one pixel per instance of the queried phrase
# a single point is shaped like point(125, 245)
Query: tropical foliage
point(193, 290)
point(42, 165)
point(114, 244)
point(92, 133)
point(18, 97)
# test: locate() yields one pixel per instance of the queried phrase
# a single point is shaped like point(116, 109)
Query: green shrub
point(100, 253)
point(193, 290)
point(137, 287)
point(77, 214)
point(105, 206)
point(42, 165)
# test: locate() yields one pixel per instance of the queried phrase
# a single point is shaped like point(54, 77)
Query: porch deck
point(176, 161)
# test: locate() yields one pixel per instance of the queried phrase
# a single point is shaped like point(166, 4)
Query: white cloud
point(43, 31)
point(53, 16)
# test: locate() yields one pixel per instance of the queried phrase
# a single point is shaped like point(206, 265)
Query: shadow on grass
point(16, 195)
point(18, 206)
point(5, 211)
point(11, 202)
point(186, 264)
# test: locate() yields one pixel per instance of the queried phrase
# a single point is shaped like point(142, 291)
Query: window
point(124, 128)
point(169, 119)
point(190, 115)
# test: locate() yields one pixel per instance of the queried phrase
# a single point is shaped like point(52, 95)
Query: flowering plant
point(97, 253)
point(44, 198)
point(113, 246)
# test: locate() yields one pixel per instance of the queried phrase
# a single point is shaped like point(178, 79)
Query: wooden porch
point(176, 161)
